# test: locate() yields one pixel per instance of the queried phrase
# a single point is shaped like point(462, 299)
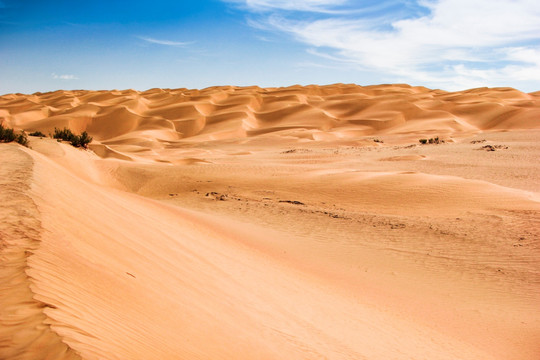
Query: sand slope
point(159, 118)
point(249, 223)
point(24, 332)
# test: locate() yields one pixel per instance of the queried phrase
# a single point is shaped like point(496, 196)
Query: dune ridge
point(305, 222)
point(160, 118)
point(28, 334)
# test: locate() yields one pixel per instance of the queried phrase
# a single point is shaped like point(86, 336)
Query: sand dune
point(224, 113)
point(272, 223)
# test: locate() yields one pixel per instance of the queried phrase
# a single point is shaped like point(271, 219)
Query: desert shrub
point(22, 139)
point(435, 140)
point(8, 135)
point(64, 134)
point(37, 133)
point(76, 140)
point(81, 140)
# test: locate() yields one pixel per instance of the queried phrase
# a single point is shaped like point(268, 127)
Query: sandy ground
point(291, 223)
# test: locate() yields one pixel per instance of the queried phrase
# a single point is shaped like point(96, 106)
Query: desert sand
point(272, 223)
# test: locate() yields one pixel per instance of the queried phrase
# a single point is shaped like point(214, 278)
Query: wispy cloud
point(321, 6)
point(165, 42)
point(451, 43)
point(64, 76)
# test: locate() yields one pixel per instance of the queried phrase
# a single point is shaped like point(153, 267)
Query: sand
point(272, 223)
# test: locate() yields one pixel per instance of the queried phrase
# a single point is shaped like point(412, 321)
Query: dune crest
point(305, 222)
point(160, 118)
point(25, 331)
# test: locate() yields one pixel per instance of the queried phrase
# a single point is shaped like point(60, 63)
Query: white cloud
point(324, 6)
point(524, 54)
point(452, 42)
point(164, 42)
point(64, 76)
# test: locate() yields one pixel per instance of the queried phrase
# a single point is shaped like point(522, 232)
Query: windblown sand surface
point(287, 223)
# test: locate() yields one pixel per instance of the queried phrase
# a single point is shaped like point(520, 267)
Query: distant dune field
point(305, 222)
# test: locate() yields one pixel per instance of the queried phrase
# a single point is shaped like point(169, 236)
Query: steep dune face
point(25, 332)
point(288, 223)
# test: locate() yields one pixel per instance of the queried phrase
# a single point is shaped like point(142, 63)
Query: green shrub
point(8, 135)
point(81, 140)
point(22, 139)
point(435, 140)
point(64, 134)
point(37, 133)
point(85, 139)
point(76, 140)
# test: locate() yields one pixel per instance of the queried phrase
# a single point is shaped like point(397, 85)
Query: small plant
point(435, 140)
point(8, 135)
point(22, 139)
point(37, 133)
point(76, 140)
point(493, 147)
point(64, 134)
point(81, 140)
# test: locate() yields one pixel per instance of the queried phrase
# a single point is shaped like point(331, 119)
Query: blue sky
point(446, 44)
